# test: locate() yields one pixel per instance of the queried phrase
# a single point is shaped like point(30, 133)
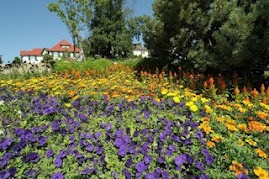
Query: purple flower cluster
point(145, 144)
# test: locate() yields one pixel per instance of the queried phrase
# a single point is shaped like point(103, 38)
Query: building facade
point(141, 51)
point(60, 50)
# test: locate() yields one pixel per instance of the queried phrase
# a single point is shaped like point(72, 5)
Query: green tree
point(16, 61)
point(210, 34)
point(109, 35)
point(74, 14)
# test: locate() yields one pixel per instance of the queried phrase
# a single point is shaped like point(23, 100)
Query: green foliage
point(212, 34)
point(16, 61)
point(99, 64)
point(74, 14)
point(110, 37)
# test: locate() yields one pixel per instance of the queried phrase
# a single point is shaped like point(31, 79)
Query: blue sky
point(27, 24)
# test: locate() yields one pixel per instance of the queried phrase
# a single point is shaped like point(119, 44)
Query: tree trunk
point(75, 45)
point(81, 53)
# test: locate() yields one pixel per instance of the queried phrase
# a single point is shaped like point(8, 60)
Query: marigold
point(251, 142)
point(238, 168)
point(261, 153)
point(68, 105)
point(216, 138)
point(231, 127)
point(176, 99)
point(210, 144)
point(256, 126)
point(208, 109)
point(261, 173)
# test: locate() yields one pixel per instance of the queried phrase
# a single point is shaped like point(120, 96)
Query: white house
point(61, 49)
point(141, 51)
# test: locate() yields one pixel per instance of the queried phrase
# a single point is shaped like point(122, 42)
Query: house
point(58, 51)
point(141, 51)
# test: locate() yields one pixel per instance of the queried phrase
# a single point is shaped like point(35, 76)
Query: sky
point(27, 24)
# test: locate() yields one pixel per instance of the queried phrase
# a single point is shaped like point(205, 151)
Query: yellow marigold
point(242, 110)
point(238, 168)
point(256, 126)
point(243, 127)
point(231, 127)
point(68, 105)
point(194, 99)
point(261, 153)
point(164, 91)
point(216, 138)
point(265, 106)
point(261, 173)
point(176, 99)
point(194, 108)
point(240, 142)
point(251, 142)
point(204, 100)
point(262, 115)
point(210, 144)
point(220, 119)
point(205, 126)
point(208, 109)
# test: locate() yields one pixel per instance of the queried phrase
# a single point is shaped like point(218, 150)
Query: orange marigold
point(256, 126)
point(238, 168)
point(261, 153)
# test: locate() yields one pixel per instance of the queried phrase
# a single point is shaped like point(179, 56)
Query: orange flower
point(211, 81)
point(236, 91)
point(261, 173)
point(245, 90)
point(216, 138)
point(238, 168)
point(256, 126)
point(261, 153)
point(255, 93)
point(210, 144)
point(262, 88)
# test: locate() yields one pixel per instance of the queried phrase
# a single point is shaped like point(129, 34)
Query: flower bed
point(112, 124)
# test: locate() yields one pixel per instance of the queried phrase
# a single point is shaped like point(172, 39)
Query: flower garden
point(119, 123)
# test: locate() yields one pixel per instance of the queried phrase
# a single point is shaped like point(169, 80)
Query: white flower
point(1, 103)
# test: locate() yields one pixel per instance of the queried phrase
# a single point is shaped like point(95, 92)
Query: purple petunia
point(129, 162)
point(180, 159)
point(140, 167)
point(32, 157)
point(204, 176)
point(122, 150)
point(41, 140)
point(5, 174)
point(49, 153)
point(58, 163)
point(86, 171)
point(147, 159)
point(160, 160)
point(119, 142)
point(150, 176)
point(58, 175)
point(243, 176)
point(200, 166)
point(199, 135)
point(127, 174)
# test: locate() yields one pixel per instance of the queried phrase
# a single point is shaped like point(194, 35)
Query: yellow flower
point(176, 99)
point(261, 173)
point(261, 153)
point(240, 142)
point(242, 110)
point(204, 100)
point(220, 119)
point(210, 144)
point(208, 109)
point(205, 126)
point(251, 142)
point(68, 105)
point(194, 108)
point(216, 138)
point(164, 91)
point(231, 127)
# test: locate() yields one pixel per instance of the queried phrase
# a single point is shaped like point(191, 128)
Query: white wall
point(143, 53)
point(32, 59)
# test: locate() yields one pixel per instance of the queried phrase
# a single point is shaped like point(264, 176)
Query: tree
point(1, 61)
point(74, 14)
point(16, 61)
point(210, 34)
point(109, 34)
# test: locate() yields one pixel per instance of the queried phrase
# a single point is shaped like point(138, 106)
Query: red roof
point(34, 52)
point(59, 47)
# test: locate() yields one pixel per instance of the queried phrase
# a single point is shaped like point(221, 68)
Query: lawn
point(106, 120)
